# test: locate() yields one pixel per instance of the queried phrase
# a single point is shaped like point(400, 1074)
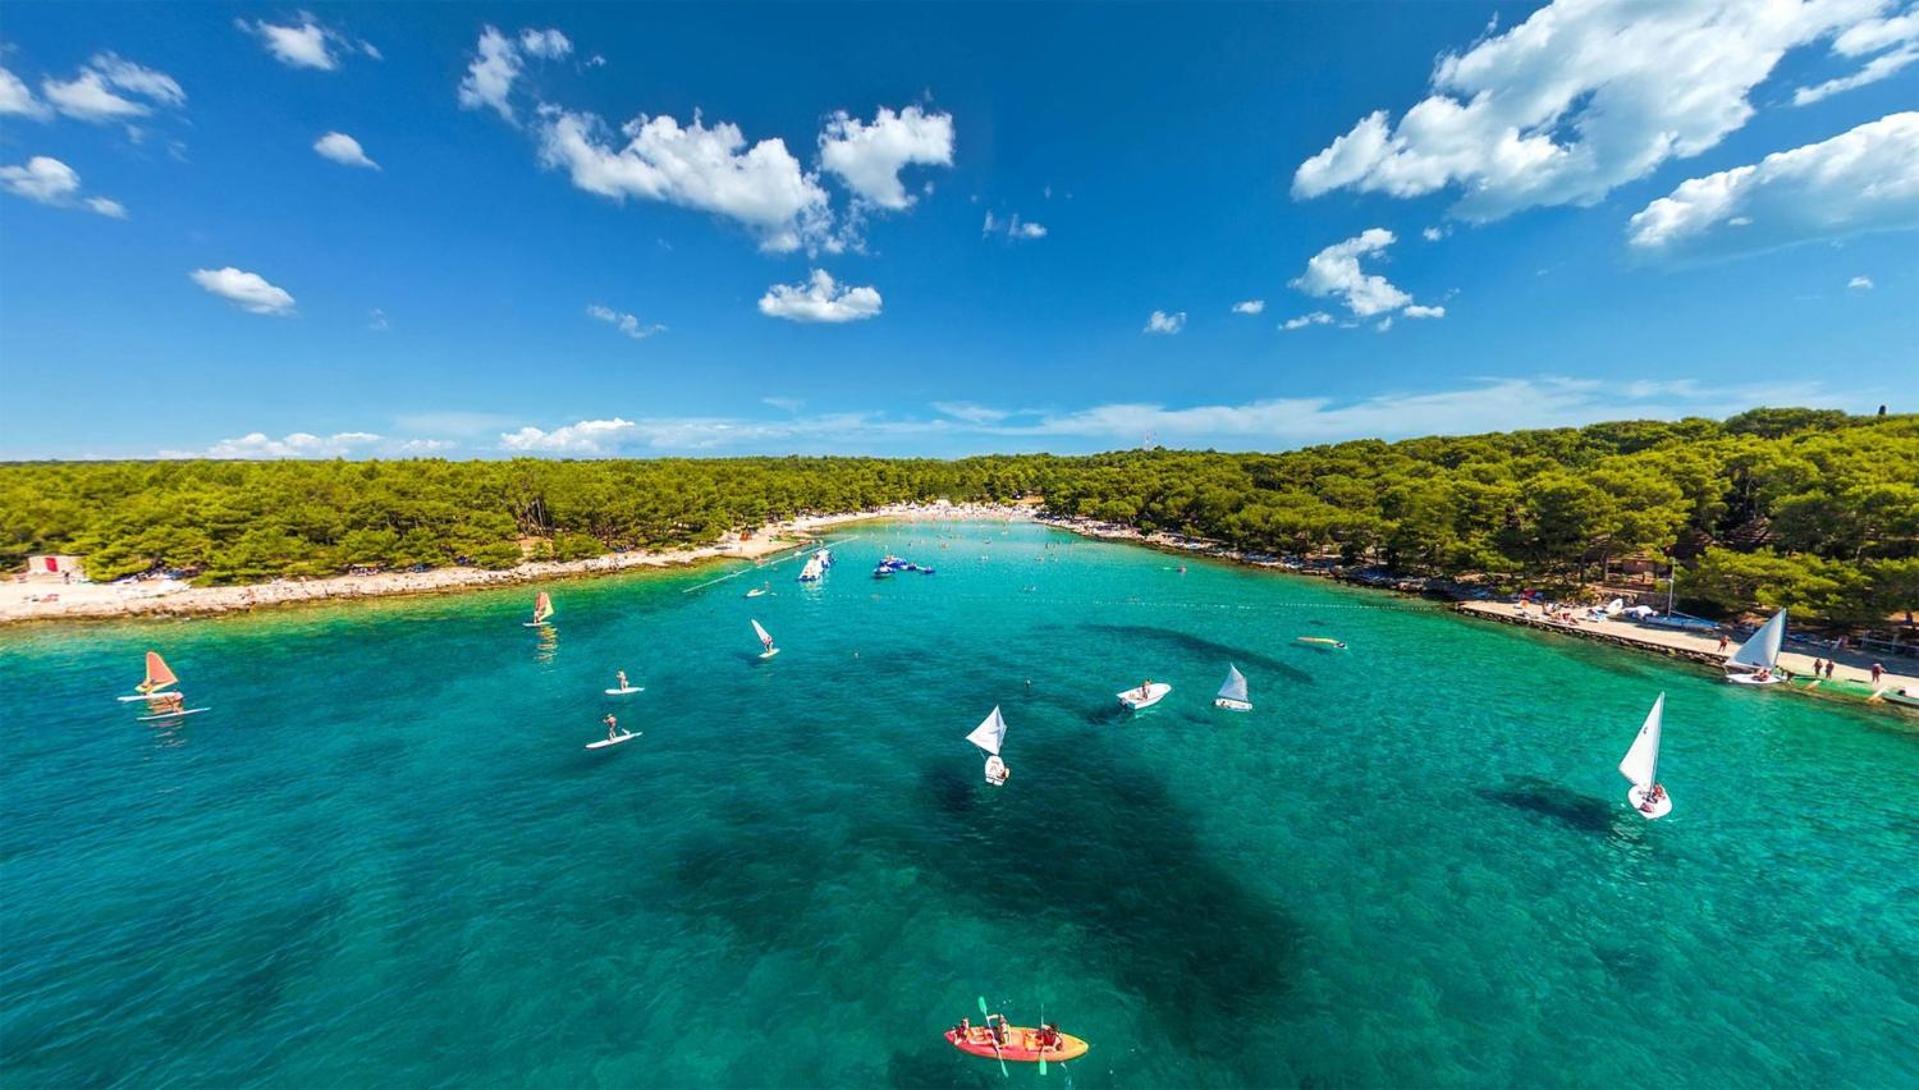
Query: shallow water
point(383, 857)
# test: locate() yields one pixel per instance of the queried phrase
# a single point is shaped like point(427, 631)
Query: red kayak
point(1022, 1045)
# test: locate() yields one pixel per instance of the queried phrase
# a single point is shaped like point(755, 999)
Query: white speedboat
point(1147, 695)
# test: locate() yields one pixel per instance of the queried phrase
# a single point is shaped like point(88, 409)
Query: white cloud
point(43, 178)
point(1860, 181)
point(426, 446)
point(1317, 317)
point(784, 404)
point(1433, 234)
point(343, 149)
point(1580, 98)
point(1250, 306)
point(1419, 311)
point(625, 323)
point(91, 94)
point(1860, 283)
point(249, 291)
point(819, 299)
point(1335, 273)
point(585, 437)
point(1385, 324)
point(868, 157)
point(489, 79)
point(707, 169)
point(548, 44)
point(16, 98)
point(1161, 322)
point(971, 412)
point(52, 182)
point(299, 444)
point(307, 44)
point(1013, 228)
point(377, 321)
point(1895, 38)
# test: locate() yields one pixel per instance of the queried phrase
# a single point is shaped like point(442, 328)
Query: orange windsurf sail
point(542, 608)
point(158, 675)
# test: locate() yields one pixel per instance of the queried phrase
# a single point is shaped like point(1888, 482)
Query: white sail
point(1762, 650)
point(1641, 765)
point(765, 636)
point(990, 733)
point(1235, 687)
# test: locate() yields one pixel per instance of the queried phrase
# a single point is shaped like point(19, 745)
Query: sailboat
point(988, 736)
point(159, 676)
point(766, 641)
point(1753, 663)
point(1232, 694)
point(1641, 766)
point(542, 611)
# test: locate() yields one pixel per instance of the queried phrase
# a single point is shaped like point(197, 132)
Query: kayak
point(1022, 1045)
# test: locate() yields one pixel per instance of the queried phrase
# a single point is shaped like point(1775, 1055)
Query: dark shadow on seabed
point(1541, 796)
point(1186, 641)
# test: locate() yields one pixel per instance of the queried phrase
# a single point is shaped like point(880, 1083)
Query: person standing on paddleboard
point(621, 674)
point(612, 726)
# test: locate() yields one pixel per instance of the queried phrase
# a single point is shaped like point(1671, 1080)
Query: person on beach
point(1723, 641)
point(1878, 671)
point(612, 727)
point(1817, 665)
point(1828, 669)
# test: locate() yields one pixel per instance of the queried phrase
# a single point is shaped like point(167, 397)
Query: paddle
point(993, 1037)
point(1042, 1047)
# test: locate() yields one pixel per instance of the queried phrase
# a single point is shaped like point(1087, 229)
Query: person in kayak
point(997, 1023)
point(964, 1031)
point(1048, 1036)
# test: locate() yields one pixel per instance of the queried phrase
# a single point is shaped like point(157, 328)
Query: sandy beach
point(44, 599)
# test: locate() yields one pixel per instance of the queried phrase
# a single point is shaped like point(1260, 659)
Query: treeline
point(1810, 509)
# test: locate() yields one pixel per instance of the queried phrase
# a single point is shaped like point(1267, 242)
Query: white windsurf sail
point(766, 638)
point(1762, 650)
point(990, 733)
point(1641, 765)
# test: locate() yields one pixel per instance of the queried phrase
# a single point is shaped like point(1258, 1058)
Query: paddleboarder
point(621, 674)
point(612, 727)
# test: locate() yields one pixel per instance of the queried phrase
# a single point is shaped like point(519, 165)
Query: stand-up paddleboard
point(1022, 1045)
point(1323, 643)
point(159, 676)
point(181, 714)
point(605, 742)
point(1641, 766)
point(1146, 696)
point(766, 641)
point(628, 691)
point(542, 612)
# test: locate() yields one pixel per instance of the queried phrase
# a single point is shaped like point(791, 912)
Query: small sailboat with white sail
point(989, 736)
point(1754, 663)
point(1232, 695)
point(542, 612)
point(159, 677)
point(766, 641)
point(1149, 693)
point(1641, 767)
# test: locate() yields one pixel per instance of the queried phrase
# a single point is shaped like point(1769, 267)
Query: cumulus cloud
point(971, 412)
point(1163, 323)
point(1433, 234)
point(868, 157)
point(108, 88)
point(299, 444)
point(489, 78)
point(343, 149)
point(1418, 311)
point(820, 299)
point(52, 182)
point(1863, 180)
point(710, 169)
point(17, 99)
point(305, 43)
point(1250, 306)
point(1580, 98)
point(1860, 283)
point(585, 437)
point(625, 323)
point(249, 291)
point(1317, 317)
point(548, 44)
point(1334, 273)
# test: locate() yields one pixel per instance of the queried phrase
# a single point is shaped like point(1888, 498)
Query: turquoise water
point(383, 858)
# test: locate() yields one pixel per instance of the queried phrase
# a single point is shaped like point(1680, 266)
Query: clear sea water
point(383, 858)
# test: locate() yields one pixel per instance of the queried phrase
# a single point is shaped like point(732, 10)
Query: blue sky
point(1476, 216)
